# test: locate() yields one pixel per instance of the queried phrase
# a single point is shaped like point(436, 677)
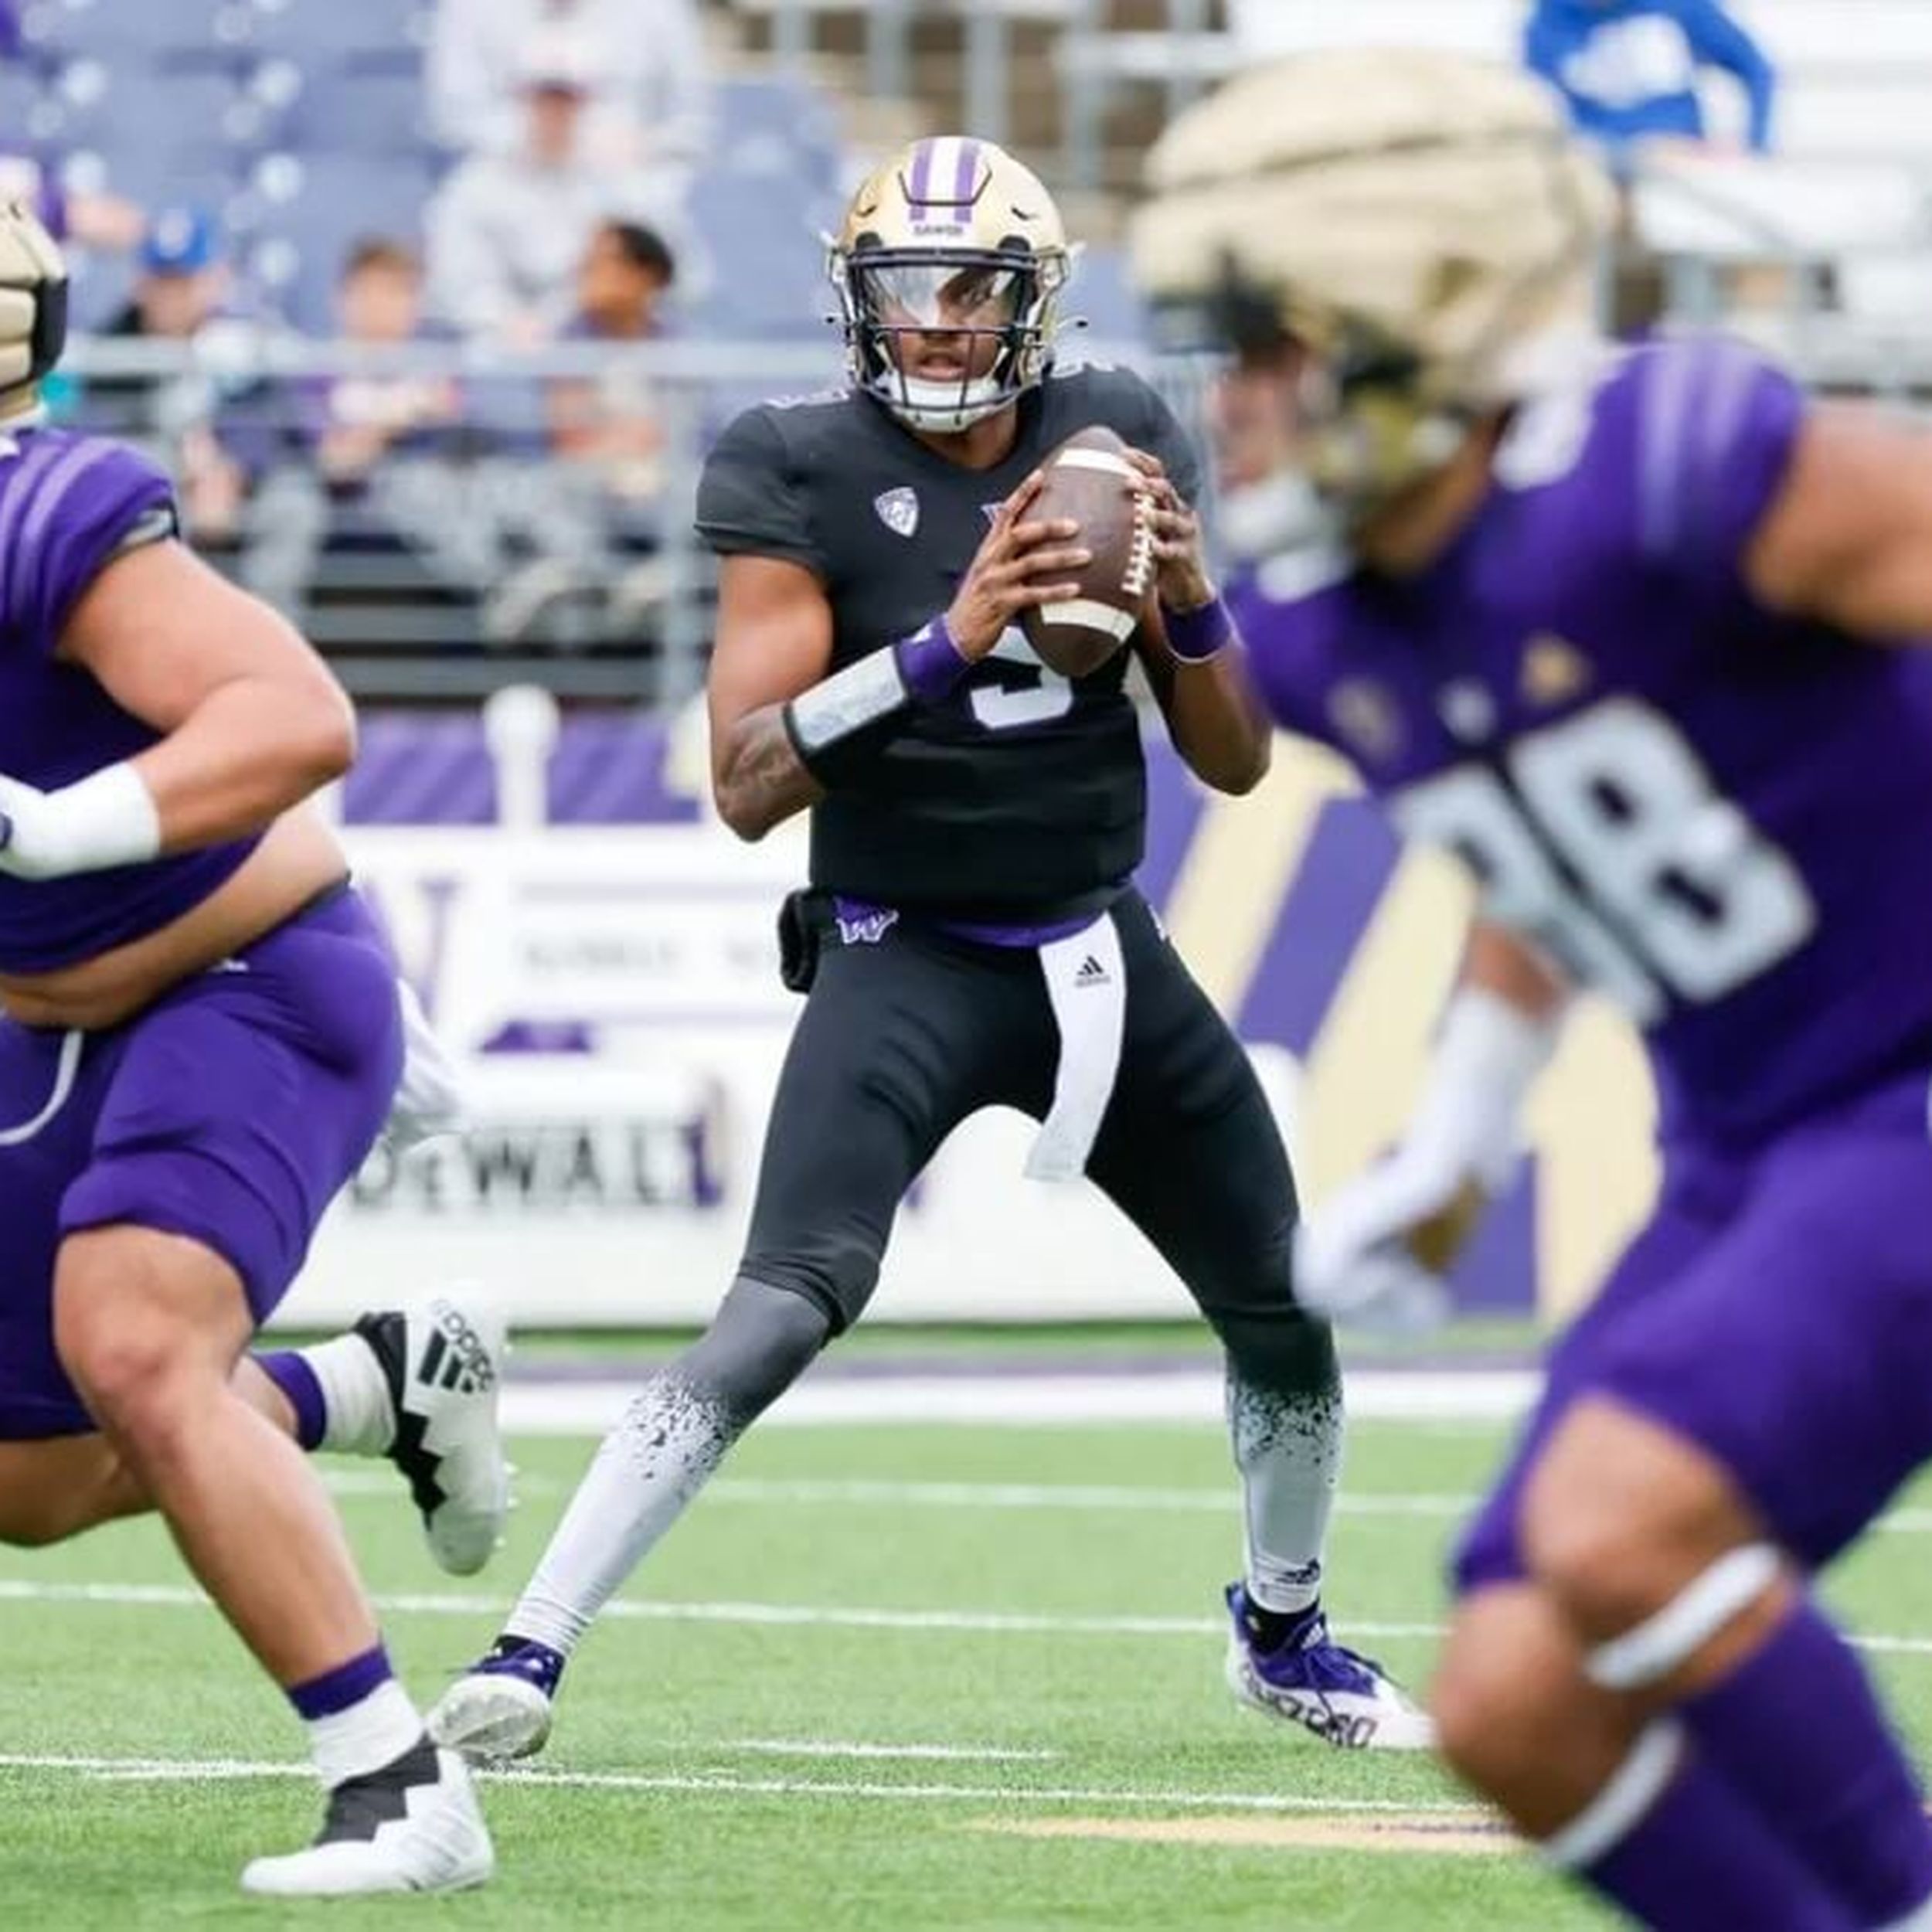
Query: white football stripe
point(994, 1622)
point(1086, 614)
point(164, 1770)
point(647, 1609)
point(826, 1747)
point(1106, 461)
point(866, 1492)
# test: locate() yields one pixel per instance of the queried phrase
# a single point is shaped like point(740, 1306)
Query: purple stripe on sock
point(919, 189)
point(346, 1685)
point(968, 171)
point(297, 1381)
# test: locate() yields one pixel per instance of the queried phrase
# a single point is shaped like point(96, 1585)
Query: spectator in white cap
point(648, 98)
point(508, 230)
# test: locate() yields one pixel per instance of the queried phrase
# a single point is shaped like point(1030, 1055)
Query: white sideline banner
point(613, 995)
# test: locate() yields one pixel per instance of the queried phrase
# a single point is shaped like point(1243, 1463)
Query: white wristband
point(107, 819)
point(1488, 1053)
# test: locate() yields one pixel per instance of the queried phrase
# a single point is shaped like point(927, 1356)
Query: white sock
point(650, 1466)
point(359, 1412)
point(1288, 1449)
point(368, 1735)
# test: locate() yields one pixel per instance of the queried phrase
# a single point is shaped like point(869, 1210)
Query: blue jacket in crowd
point(1628, 68)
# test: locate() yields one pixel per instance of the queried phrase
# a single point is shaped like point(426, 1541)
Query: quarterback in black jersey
point(971, 936)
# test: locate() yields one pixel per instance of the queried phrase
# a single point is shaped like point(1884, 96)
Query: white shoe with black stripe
point(413, 1826)
point(443, 1361)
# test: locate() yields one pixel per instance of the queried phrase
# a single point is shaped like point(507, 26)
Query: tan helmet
point(1422, 221)
point(33, 306)
point(938, 215)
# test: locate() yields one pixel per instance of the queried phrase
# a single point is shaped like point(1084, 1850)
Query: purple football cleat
point(1345, 1700)
point(501, 1708)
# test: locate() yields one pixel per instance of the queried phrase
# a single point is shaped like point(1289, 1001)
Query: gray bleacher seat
point(205, 177)
point(332, 110)
point(155, 33)
point(363, 34)
point(19, 99)
point(758, 266)
point(135, 116)
point(304, 212)
point(776, 126)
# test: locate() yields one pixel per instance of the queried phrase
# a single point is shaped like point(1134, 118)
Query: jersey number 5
point(1027, 693)
point(1602, 838)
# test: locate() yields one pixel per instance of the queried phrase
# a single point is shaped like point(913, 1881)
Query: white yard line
point(813, 1492)
point(796, 1616)
point(866, 1492)
point(826, 1747)
point(624, 1609)
point(589, 1408)
point(1223, 1501)
point(174, 1770)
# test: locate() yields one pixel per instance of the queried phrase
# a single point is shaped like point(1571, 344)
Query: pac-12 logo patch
point(899, 511)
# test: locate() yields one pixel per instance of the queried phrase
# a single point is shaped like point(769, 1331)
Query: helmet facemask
point(894, 301)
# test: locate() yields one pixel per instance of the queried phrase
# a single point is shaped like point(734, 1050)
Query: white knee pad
point(1621, 1805)
point(1663, 1643)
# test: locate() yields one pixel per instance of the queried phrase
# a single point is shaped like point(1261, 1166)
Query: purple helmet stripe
point(968, 172)
point(919, 189)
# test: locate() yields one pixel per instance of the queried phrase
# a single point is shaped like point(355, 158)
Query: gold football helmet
point(952, 236)
point(33, 307)
point(1420, 225)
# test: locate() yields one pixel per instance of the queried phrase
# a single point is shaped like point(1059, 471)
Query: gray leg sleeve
point(1285, 1425)
point(651, 1465)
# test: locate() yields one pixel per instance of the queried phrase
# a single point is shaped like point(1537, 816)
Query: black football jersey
point(1025, 792)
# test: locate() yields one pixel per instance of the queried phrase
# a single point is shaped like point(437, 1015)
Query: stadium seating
point(169, 34)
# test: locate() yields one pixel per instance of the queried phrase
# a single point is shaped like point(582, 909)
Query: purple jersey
point(68, 505)
point(1718, 816)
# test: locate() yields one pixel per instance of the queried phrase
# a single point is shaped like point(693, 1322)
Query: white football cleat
point(503, 1706)
point(443, 1361)
point(413, 1826)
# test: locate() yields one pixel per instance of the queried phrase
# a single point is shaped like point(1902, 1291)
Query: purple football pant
point(230, 1111)
point(1777, 1312)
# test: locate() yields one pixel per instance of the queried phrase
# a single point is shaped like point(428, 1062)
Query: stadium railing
point(473, 553)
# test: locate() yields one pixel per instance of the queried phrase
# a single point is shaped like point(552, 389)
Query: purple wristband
point(1194, 636)
point(930, 663)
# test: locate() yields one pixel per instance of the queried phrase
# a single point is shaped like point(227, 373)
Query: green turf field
point(867, 1668)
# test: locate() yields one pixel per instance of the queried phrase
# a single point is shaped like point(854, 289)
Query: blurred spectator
point(507, 231)
point(357, 419)
point(183, 283)
point(1628, 68)
point(648, 103)
point(612, 422)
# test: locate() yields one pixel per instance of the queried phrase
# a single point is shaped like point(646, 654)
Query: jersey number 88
point(1602, 838)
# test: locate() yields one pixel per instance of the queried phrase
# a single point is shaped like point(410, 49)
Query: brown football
point(1090, 480)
